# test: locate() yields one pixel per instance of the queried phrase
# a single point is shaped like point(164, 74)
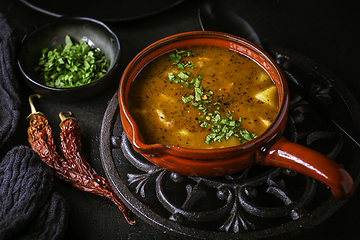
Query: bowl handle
point(285, 154)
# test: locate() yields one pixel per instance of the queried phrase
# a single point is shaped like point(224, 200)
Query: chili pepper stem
point(32, 107)
point(61, 115)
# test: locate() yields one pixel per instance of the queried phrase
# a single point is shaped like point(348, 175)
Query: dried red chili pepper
point(75, 169)
point(71, 146)
point(42, 142)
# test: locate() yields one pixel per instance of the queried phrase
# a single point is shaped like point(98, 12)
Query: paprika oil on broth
point(202, 97)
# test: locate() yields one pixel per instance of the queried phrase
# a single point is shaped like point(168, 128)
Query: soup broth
point(202, 97)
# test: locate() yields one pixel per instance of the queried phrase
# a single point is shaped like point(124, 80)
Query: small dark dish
point(50, 36)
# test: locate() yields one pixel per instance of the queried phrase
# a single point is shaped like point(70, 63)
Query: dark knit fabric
point(29, 207)
point(25, 185)
point(49, 223)
point(9, 99)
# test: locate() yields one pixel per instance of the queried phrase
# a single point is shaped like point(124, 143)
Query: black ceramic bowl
point(50, 36)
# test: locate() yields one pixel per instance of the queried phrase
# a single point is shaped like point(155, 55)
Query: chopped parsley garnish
point(74, 65)
point(221, 125)
point(177, 55)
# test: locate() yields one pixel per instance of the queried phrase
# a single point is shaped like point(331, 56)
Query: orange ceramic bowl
point(269, 149)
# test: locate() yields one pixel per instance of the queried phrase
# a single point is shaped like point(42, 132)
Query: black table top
point(325, 31)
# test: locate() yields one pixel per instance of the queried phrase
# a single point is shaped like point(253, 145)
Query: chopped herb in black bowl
point(74, 65)
point(70, 59)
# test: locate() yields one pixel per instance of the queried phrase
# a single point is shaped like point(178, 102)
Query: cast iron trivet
point(259, 202)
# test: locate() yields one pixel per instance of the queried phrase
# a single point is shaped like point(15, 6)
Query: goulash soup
point(202, 97)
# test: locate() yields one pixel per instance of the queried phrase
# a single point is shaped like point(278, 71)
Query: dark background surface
point(325, 31)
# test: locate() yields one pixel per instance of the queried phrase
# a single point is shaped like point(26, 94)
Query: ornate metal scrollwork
point(239, 194)
point(248, 200)
point(255, 203)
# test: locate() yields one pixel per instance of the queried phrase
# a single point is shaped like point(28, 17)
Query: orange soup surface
point(202, 97)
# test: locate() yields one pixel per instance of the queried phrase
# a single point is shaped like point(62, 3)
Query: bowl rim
point(58, 21)
point(270, 133)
